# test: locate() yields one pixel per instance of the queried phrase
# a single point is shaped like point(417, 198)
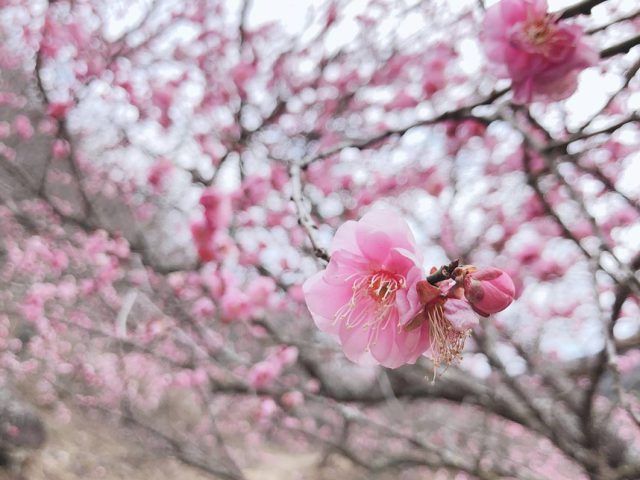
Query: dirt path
point(88, 448)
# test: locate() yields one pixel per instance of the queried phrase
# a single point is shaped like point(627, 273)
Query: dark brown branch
point(607, 356)
point(622, 47)
point(581, 8)
point(461, 113)
point(443, 273)
point(625, 18)
point(634, 117)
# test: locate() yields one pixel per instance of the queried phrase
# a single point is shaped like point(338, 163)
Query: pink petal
point(345, 238)
point(400, 261)
point(388, 220)
point(460, 314)
point(382, 346)
point(374, 245)
point(343, 266)
point(354, 343)
point(323, 301)
point(512, 11)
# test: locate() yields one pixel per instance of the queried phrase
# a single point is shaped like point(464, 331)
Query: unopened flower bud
point(489, 290)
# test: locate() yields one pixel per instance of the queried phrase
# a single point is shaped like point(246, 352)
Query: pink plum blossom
point(539, 53)
point(362, 297)
point(447, 316)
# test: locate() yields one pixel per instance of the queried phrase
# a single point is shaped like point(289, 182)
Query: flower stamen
point(447, 343)
point(371, 302)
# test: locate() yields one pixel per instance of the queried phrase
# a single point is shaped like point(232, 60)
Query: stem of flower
point(443, 273)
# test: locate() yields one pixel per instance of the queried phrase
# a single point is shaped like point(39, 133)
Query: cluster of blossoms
point(373, 296)
point(263, 373)
point(539, 53)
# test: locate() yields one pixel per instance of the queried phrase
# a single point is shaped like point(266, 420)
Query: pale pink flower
point(489, 290)
point(539, 53)
point(362, 296)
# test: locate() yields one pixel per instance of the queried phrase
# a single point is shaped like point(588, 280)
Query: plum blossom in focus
point(363, 296)
point(373, 297)
point(448, 316)
point(540, 54)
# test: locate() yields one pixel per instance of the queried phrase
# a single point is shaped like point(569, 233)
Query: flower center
point(538, 31)
point(384, 285)
point(371, 303)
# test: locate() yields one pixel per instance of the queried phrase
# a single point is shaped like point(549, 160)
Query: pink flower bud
point(60, 149)
point(489, 290)
point(58, 110)
point(292, 399)
point(23, 127)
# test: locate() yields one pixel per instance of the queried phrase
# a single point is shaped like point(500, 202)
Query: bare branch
point(304, 218)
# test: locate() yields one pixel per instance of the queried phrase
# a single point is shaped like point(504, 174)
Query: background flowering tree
point(172, 172)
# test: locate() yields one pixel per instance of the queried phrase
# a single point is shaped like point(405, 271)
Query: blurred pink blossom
point(539, 53)
point(158, 174)
point(292, 399)
point(23, 127)
point(401, 101)
point(58, 110)
point(263, 373)
point(217, 208)
point(60, 149)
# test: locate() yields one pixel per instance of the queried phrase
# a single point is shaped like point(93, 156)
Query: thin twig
point(461, 113)
point(304, 218)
